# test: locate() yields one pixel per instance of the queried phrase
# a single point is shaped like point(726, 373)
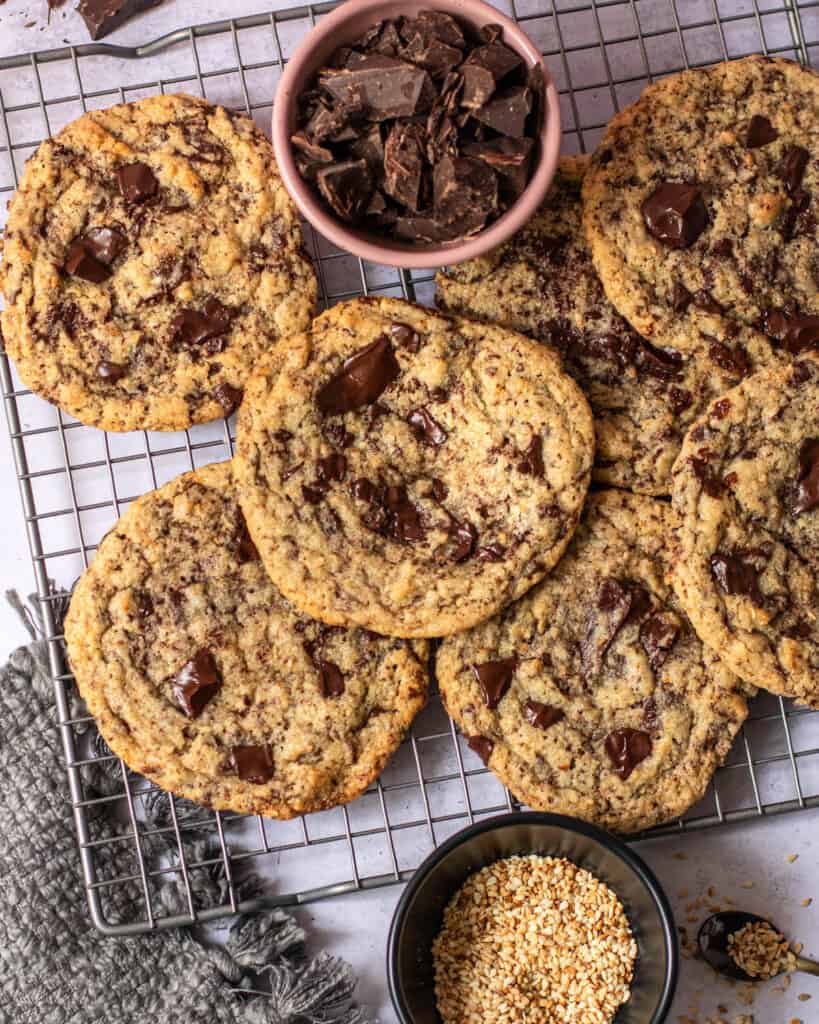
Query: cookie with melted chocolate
point(208, 682)
point(592, 695)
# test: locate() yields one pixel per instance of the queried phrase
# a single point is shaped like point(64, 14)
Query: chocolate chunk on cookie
point(592, 695)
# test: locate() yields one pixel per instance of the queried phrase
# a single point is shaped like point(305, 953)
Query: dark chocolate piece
point(191, 328)
point(796, 334)
point(509, 158)
point(626, 749)
point(681, 298)
point(603, 623)
point(760, 132)
point(657, 636)
point(229, 397)
point(675, 214)
point(103, 16)
point(806, 496)
point(494, 679)
point(331, 468)
point(532, 461)
point(361, 380)
point(736, 573)
point(406, 337)
point(246, 550)
point(81, 262)
point(104, 244)
point(137, 182)
point(465, 536)
point(491, 553)
point(347, 187)
point(507, 111)
point(331, 680)
point(465, 192)
point(426, 428)
point(111, 372)
point(383, 86)
point(404, 163)
point(482, 746)
point(792, 168)
point(253, 762)
point(196, 683)
point(541, 716)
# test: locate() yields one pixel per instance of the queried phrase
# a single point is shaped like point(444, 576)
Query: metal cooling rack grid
point(74, 481)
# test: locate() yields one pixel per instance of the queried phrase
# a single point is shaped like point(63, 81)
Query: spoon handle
point(808, 966)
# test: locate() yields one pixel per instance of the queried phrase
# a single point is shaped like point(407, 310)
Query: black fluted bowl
point(419, 913)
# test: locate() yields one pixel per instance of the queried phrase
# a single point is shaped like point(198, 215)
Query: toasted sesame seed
point(533, 940)
point(760, 950)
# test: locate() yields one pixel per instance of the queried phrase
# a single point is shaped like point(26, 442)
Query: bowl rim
point(606, 839)
point(388, 252)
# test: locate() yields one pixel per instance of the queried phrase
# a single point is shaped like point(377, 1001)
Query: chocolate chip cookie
point(411, 472)
point(700, 208)
point(593, 696)
point(746, 486)
point(205, 680)
point(152, 257)
point(543, 282)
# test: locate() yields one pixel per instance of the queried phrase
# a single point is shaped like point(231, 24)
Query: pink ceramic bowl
point(348, 22)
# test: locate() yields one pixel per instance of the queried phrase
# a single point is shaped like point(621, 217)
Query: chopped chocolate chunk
point(439, 25)
point(482, 746)
point(507, 111)
point(347, 188)
point(626, 748)
point(796, 334)
point(253, 762)
point(760, 132)
point(465, 536)
point(337, 435)
point(434, 55)
point(404, 522)
point(657, 636)
point(331, 468)
point(465, 191)
point(312, 150)
point(370, 147)
point(386, 87)
point(705, 301)
point(604, 621)
point(331, 680)
point(104, 244)
point(361, 380)
point(496, 58)
point(229, 397)
point(425, 229)
point(426, 428)
point(196, 683)
point(509, 158)
point(736, 573)
point(541, 716)
point(137, 182)
point(406, 337)
point(246, 550)
point(709, 478)
point(326, 125)
point(79, 262)
point(532, 461)
point(735, 360)
point(494, 679)
point(191, 328)
point(403, 163)
point(363, 489)
point(675, 214)
point(491, 553)
point(103, 16)
point(313, 494)
point(681, 298)
point(679, 399)
point(111, 372)
point(439, 490)
point(806, 496)
point(792, 168)
point(491, 33)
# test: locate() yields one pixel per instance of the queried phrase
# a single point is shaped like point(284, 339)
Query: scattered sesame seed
point(807, 902)
point(791, 858)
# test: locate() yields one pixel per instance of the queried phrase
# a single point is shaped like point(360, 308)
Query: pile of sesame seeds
point(533, 940)
point(760, 950)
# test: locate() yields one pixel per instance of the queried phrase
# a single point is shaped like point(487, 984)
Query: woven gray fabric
point(56, 969)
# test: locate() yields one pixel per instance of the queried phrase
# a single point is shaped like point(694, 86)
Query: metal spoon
point(713, 942)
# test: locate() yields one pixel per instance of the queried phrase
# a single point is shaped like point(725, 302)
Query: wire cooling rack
point(74, 481)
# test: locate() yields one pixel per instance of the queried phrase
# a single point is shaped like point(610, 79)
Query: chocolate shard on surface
point(331, 679)
point(192, 328)
point(760, 132)
point(426, 428)
point(347, 187)
point(111, 372)
point(531, 461)
point(465, 193)
point(383, 86)
point(246, 550)
point(137, 182)
point(736, 573)
point(196, 683)
point(403, 163)
point(626, 748)
point(104, 244)
point(604, 621)
point(806, 495)
point(465, 537)
point(675, 214)
point(658, 634)
point(509, 158)
point(103, 16)
point(483, 69)
point(483, 747)
point(361, 379)
point(792, 168)
point(229, 397)
point(494, 679)
point(541, 716)
point(252, 762)
point(80, 263)
point(796, 334)
point(507, 111)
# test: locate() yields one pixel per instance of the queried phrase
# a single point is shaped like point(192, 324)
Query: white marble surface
point(356, 926)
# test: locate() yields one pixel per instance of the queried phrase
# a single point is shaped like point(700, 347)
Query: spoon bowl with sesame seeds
point(747, 947)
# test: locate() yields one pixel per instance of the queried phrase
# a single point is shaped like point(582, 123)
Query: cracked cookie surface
point(411, 472)
point(152, 257)
point(592, 695)
point(700, 209)
point(543, 282)
point(746, 486)
point(205, 680)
